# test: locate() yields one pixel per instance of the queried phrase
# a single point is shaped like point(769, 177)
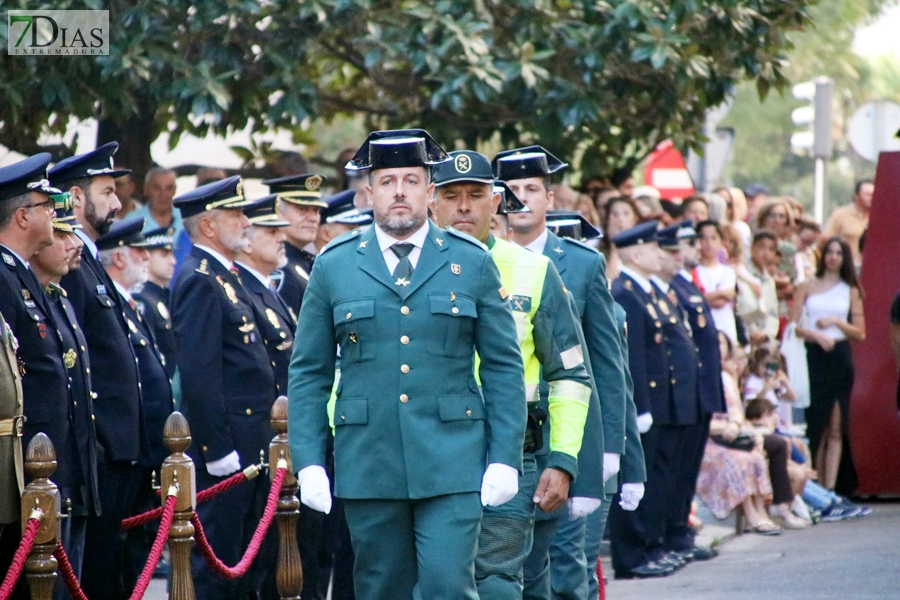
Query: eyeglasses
point(49, 205)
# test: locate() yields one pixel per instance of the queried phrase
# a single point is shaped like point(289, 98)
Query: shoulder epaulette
point(9, 260)
point(465, 236)
point(203, 269)
point(343, 239)
point(579, 245)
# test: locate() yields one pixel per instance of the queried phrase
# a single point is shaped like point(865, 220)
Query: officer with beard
point(90, 179)
point(227, 380)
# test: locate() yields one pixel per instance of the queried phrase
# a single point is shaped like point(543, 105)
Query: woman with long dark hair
point(621, 213)
point(828, 310)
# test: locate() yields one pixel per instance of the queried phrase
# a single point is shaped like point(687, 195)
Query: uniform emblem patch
point(455, 268)
point(273, 318)
point(503, 293)
point(69, 358)
point(462, 164)
point(520, 303)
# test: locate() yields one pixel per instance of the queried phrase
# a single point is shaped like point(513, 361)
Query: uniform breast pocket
point(354, 324)
point(453, 325)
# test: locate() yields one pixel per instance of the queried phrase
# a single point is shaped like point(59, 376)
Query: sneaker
point(844, 503)
point(838, 512)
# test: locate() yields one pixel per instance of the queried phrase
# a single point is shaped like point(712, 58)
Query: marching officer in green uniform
point(300, 206)
point(527, 171)
point(547, 333)
point(415, 438)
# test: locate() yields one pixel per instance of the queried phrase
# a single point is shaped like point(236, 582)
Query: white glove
point(499, 484)
point(582, 507)
point(631, 495)
point(644, 422)
point(315, 491)
point(228, 464)
point(611, 462)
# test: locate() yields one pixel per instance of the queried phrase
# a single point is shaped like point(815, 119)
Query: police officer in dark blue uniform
point(637, 536)
point(49, 266)
point(679, 536)
point(264, 255)
point(89, 178)
point(227, 380)
point(302, 201)
point(125, 259)
point(153, 295)
point(26, 227)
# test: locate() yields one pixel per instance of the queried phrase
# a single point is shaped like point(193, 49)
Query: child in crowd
point(767, 379)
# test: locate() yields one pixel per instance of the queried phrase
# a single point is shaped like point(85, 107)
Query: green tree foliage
point(602, 80)
point(763, 129)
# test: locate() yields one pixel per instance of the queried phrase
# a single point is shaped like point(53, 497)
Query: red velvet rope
point(601, 582)
point(203, 496)
point(240, 569)
point(18, 562)
point(156, 551)
point(74, 587)
point(68, 573)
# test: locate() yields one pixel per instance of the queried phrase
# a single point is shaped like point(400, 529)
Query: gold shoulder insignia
point(203, 269)
point(163, 311)
point(503, 293)
point(628, 286)
point(301, 272)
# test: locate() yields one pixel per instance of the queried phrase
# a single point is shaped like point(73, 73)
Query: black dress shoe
point(697, 553)
point(651, 569)
point(673, 559)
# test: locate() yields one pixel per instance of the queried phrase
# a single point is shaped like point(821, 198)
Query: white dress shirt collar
point(537, 246)
point(217, 255)
point(385, 241)
point(660, 283)
point(262, 278)
point(640, 279)
point(88, 242)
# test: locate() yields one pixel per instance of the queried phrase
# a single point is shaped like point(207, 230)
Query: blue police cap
point(264, 212)
point(571, 224)
point(126, 232)
point(341, 209)
point(522, 163)
point(90, 164)
point(397, 148)
point(669, 237)
point(25, 176)
point(159, 238)
point(65, 212)
point(642, 233)
point(224, 194)
point(303, 190)
point(509, 202)
point(465, 166)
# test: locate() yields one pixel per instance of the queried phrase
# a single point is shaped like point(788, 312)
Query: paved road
point(853, 560)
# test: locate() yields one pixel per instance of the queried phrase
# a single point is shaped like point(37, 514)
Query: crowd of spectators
point(766, 268)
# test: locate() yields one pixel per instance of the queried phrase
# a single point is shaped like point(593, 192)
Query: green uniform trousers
point(428, 545)
point(505, 540)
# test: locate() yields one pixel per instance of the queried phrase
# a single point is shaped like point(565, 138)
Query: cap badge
point(462, 164)
point(313, 183)
point(239, 189)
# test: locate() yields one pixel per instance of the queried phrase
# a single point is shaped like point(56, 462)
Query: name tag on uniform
point(101, 289)
point(520, 303)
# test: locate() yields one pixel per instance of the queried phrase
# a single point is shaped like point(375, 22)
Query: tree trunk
point(134, 134)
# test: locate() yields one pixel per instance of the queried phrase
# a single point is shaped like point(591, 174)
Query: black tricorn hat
point(509, 202)
point(522, 163)
point(396, 148)
point(571, 224)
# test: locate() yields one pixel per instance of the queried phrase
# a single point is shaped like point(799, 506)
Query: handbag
point(794, 351)
point(744, 441)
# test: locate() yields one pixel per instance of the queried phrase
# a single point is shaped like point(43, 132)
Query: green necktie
point(403, 271)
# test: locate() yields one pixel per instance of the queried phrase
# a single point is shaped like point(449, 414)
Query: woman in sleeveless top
point(828, 309)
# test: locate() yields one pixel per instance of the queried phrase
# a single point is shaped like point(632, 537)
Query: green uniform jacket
point(11, 475)
point(633, 468)
point(583, 271)
point(409, 419)
point(558, 348)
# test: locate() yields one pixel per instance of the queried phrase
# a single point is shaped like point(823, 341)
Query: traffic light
point(816, 115)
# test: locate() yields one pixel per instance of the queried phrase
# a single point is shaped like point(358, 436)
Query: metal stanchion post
point(289, 572)
point(178, 470)
point(41, 499)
